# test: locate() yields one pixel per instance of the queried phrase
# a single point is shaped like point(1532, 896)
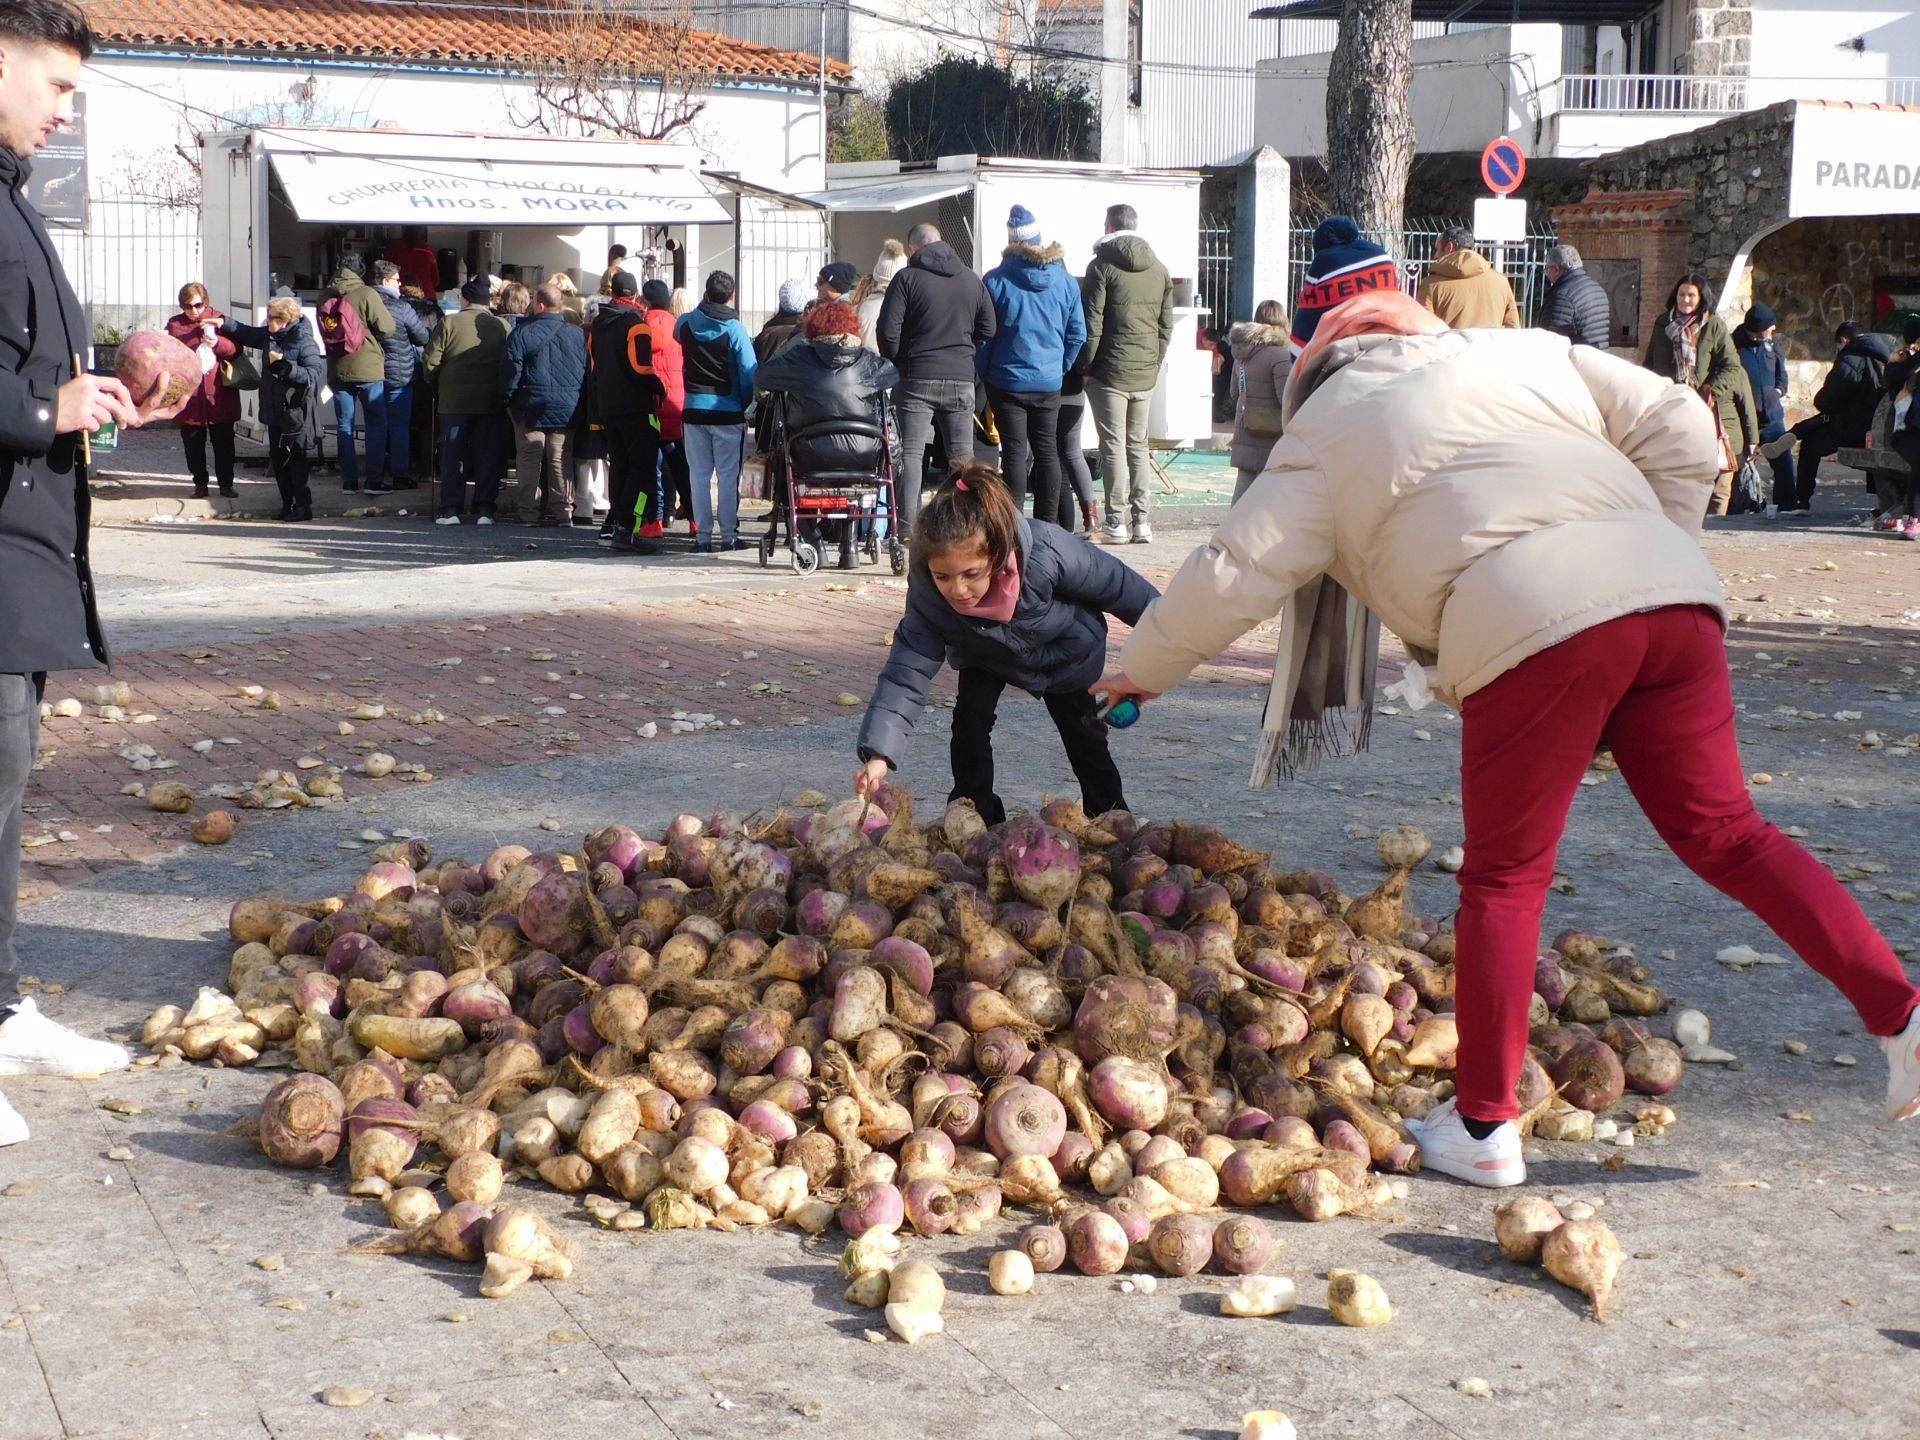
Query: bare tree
point(627, 68)
point(1370, 136)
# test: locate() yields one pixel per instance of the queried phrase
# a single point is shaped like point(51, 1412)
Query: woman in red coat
point(213, 408)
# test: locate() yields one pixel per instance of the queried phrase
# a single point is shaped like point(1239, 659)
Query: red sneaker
point(652, 530)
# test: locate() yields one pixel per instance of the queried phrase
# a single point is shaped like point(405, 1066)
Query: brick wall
point(1651, 226)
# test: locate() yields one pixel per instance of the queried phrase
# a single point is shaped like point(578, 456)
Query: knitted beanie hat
point(1022, 228)
point(1343, 266)
point(794, 295)
point(893, 259)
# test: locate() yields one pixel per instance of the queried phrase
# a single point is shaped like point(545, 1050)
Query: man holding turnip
point(47, 408)
point(1525, 515)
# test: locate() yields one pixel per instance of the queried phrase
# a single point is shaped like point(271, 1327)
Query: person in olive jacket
point(359, 375)
point(463, 364)
point(48, 619)
point(1692, 345)
point(1129, 321)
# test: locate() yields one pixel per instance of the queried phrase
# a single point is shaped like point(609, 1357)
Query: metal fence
point(1217, 267)
point(774, 242)
point(129, 262)
point(1525, 264)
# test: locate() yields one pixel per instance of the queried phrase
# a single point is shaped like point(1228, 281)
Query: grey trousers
point(19, 739)
point(1120, 418)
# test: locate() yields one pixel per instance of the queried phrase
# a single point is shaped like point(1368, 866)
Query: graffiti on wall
point(1818, 274)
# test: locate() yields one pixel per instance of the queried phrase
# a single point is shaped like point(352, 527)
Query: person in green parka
point(1693, 346)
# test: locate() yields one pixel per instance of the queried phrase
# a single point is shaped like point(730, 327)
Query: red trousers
point(1655, 688)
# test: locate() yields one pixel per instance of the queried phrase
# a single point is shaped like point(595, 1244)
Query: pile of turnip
point(850, 1016)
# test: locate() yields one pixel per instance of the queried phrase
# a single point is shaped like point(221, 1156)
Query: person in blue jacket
point(1767, 378)
point(1006, 601)
point(1042, 328)
point(718, 363)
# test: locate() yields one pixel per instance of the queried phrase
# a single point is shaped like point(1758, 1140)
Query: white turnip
point(1357, 1299)
point(302, 1121)
point(1585, 1256)
point(1521, 1227)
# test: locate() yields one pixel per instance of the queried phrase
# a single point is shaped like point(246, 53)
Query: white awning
point(336, 189)
point(891, 196)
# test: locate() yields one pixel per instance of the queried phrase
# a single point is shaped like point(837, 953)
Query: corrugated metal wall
point(1201, 115)
point(788, 28)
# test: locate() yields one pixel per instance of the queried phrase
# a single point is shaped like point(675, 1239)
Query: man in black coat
point(47, 615)
point(935, 316)
point(1576, 304)
point(1845, 403)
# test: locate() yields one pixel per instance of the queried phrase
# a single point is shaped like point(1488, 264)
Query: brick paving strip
point(498, 690)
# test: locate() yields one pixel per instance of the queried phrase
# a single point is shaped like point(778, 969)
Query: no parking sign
point(1503, 165)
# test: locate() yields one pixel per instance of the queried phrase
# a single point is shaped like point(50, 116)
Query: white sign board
point(403, 190)
point(1854, 162)
point(1500, 219)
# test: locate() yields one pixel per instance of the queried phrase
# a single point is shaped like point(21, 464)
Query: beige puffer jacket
point(1488, 493)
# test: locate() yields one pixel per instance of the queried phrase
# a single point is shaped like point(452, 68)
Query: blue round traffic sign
point(1503, 166)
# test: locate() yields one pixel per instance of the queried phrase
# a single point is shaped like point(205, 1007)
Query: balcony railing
point(1724, 94)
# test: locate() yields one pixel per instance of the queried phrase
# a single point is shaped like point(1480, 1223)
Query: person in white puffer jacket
point(1526, 512)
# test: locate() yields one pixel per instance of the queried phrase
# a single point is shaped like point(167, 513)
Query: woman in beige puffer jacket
point(1528, 511)
point(1262, 359)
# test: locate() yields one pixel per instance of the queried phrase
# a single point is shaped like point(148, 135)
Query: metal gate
point(775, 240)
point(1217, 268)
point(1523, 264)
point(127, 265)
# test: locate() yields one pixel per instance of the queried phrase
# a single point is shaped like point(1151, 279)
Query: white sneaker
point(448, 520)
point(1143, 535)
point(1903, 1070)
point(1775, 448)
point(13, 1125)
point(484, 520)
point(1445, 1146)
point(1114, 533)
point(31, 1044)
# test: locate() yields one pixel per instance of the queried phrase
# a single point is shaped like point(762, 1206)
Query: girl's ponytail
point(972, 506)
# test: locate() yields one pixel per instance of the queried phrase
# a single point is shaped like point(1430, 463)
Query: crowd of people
point(640, 406)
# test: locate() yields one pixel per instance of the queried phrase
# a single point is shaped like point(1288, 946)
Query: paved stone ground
point(1773, 1256)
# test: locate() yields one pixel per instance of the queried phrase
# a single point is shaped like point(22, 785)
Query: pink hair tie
point(960, 485)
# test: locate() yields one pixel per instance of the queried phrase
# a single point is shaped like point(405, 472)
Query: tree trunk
point(1370, 139)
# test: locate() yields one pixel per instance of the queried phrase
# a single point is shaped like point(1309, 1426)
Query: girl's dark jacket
point(290, 386)
point(1056, 640)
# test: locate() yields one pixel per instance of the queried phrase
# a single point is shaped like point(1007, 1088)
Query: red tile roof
point(448, 33)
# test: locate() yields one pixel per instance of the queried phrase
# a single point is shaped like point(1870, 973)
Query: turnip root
point(1023, 1119)
point(1255, 1296)
point(1521, 1227)
point(915, 1282)
point(1585, 1256)
point(1654, 1068)
point(1045, 1246)
point(1010, 1272)
point(1207, 850)
point(302, 1121)
point(410, 1207)
point(1181, 1244)
point(1433, 1043)
point(912, 1323)
point(476, 1177)
point(503, 1276)
point(1404, 847)
point(1590, 1076)
point(868, 1290)
point(1366, 1020)
point(1243, 1244)
point(1128, 1093)
point(1096, 1243)
point(1381, 915)
point(1328, 1191)
point(1357, 1299)
point(1042, 862)
point(425, 1040)
point(519, 1234)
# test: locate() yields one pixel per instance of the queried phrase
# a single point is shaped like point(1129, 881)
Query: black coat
point(621, 383)
point(48, 619)
point(290, 386)
point(1056, 640)
point(825, 383)
point(1853, 387)
point(1577, 307)
point(1766, 374)
point(936, 314)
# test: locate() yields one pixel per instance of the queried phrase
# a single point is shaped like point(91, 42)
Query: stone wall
point(1736, 172)
point(1719, 38)
point(1818, 273)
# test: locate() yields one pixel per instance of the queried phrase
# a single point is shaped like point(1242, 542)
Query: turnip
point(859, 1003)
point(871, 1207)
point(1521, 1227)
point(1256, 1296)
point(1000, 1052)
point(1365, 1019)
point(1654, 1068)
point(1589, 1075)
point(1133, 1017)
point(1023, 1119)
point(1207, 850)
point(1434, 1043)
point(1181, 1244)
point(519, 1234)
point(1357, 1299)
point(411, 1207)
point(1040, 997)
point(1031, 1180)
point(302, 1122)
point(476, 1176)
point(1045, 1246)
point(1096, 1243)
point(1010, 1272)
point(1404, 847)
point(1585, 1256)
point(1134, 1216)
point(1129, 1094)
point(1243, 1244)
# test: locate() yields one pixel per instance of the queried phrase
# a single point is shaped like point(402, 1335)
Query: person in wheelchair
point(832, 390)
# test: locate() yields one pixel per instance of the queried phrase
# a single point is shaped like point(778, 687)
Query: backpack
point(342, 331)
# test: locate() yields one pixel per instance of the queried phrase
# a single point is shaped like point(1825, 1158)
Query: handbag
point(1749, 495)
point(1263, 420)
point(1728, 460)
point(239, 373)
